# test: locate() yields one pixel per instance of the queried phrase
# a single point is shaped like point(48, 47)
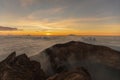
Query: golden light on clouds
point(60, 17)
point(48, 33)
point(62, 27)
point(54, 33)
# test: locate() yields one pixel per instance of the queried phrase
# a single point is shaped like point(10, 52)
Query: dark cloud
point(7, 28)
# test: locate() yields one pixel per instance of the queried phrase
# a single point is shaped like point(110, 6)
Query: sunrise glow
point(40, 17)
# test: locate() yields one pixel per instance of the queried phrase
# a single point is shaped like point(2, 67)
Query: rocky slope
point(59, 62)
point(74, 74)
point(64, 56)
point(20, 68)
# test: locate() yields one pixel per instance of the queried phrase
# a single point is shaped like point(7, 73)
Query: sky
point(59, 17)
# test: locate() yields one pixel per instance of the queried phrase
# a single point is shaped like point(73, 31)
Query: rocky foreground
point(22, 68)
point(59, 62)
point(60, 57)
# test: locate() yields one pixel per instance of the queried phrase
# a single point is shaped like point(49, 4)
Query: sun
point(48, 33)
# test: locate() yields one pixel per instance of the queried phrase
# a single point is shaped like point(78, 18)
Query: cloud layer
point(7, 28)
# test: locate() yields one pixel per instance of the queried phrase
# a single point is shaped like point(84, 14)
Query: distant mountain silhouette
point(2, 28)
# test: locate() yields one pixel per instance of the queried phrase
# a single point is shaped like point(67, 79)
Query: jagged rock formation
point(74, 74)
point(64, 56)
point(20, 68)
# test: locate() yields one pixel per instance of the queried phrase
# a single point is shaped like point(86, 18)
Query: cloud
point(46, 14)
point(25, 3)
point(88, 24)
point(79, 22)
point(7, 28)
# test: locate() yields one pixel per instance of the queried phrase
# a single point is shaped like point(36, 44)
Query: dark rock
point(61, 57)
point(74, 74)
point(20, 68)
point(10, 58)
point(74, 52)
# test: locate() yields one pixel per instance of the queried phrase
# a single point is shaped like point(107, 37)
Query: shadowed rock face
point(63, 56)
point(74, 74)
point(20, 68)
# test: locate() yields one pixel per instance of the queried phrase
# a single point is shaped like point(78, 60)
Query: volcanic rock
point(61, 57)
point(74, 74)
point(20, 68)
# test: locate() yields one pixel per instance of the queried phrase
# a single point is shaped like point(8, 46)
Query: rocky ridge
point(60, 57)
point(20, 68)
point(59, 62)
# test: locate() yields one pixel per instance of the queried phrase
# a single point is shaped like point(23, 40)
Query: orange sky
point(38, 33)
point(60, 17)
